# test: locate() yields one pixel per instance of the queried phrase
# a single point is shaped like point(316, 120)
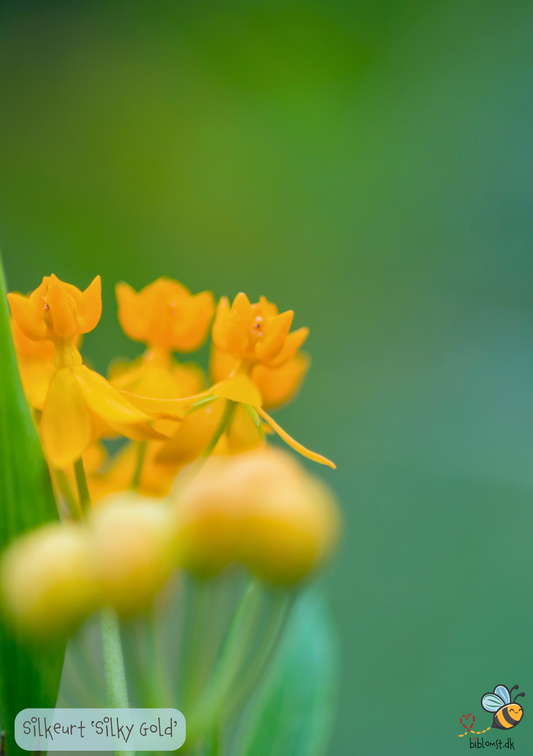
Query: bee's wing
point(503, 693)
point(492, 702)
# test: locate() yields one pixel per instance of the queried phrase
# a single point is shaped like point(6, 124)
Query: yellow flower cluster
point(259, 508)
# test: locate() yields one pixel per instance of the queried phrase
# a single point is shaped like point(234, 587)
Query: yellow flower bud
point(132, 542)
point(47, 579)
point(208, 522)
point(291, 520)
point(260, 508)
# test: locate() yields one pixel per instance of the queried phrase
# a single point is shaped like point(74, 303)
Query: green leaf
point(293, 712)
point(29, 675)
point(255, 417)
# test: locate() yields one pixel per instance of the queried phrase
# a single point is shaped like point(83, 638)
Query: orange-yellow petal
point(104, 400)
point(221, 364)
point(66, 424)
point(192, 436)
point(238, 324)
point(190, 329)
point(35, 375)
point(138, 431)
point(171, 409)
point(278, 385)
point(27, 316)
point(275, 331)
point(220, 324)
point(62, 309)
point(44, 351)
point(238, 389)
point(292, 343)
point(90, 306)
point(294, 444)
point(130, 314)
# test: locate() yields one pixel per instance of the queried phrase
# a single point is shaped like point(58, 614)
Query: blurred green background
point(369, 165)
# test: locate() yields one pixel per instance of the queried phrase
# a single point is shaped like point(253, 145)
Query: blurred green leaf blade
point(293, 711)
point(29, 674)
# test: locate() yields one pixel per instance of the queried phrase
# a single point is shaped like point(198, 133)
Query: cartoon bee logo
point(507, 713)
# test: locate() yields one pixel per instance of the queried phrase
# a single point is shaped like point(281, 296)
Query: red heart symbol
point(467, 717)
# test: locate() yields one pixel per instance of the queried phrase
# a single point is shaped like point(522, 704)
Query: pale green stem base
point(209, 710)
point(83, 488)
point(114, 672)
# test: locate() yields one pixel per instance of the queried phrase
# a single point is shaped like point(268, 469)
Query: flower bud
point(48, 583)
point(260, 508)
point(132, 539)
point(290, 520)
point(208, 522)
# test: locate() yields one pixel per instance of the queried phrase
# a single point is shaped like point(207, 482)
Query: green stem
point(83, 488)
point(195, 641)
point(222, 427)
point(141, 448)
point(262, 659)
point(114, 673)
point(157, 680)
point(66, 491)
point(208, 712)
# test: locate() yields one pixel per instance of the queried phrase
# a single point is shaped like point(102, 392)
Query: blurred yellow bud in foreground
point(132, 547)
point(260, 508)
point(48, 582)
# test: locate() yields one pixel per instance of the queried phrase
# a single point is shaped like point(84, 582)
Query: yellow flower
point(256, 333)
point(265, 357)
point(261, 509)
point(165, 315)
point(48, 580)
point(78, 400)
point(132, 542)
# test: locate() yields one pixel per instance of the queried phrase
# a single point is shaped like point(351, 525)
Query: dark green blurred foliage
point(29, 673)
point(368, 165)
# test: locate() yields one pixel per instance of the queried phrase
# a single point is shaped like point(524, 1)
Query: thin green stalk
point(63, 485)
point(222, 427)
point(157, 680)
point(263, 657)
point(141, 448)
point(114, 673)
point(195, 642)
point(208, 712)
point(83, 488)
point(225, 421)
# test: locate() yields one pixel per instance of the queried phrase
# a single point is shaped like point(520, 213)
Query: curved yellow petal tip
point(294, 444)
point(238, 389)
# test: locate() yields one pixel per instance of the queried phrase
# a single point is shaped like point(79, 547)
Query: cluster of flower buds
point(56, 576)
point(261, 509)
point(248, 504)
